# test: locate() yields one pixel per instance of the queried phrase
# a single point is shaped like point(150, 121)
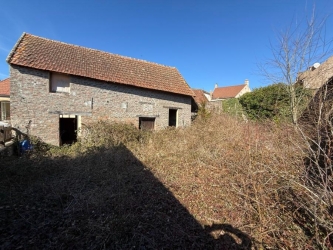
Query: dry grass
point(219, 184)
point(225, 171)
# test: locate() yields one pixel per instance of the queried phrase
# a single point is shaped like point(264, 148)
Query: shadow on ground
point(105, 199)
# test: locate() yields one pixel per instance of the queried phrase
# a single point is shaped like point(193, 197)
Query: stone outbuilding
point(58, 88)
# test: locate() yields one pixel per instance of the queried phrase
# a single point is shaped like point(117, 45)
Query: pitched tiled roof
point(5, 87)
point(40, 53)
point(199, 97)
point(227, 92)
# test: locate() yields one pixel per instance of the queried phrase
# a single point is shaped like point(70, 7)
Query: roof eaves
point(12, 55)
point(193, 95)
point(6, 79)
point(184, 81)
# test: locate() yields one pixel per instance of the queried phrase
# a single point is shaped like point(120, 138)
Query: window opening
point(59, 83)
point(4, 111)
point(147, 123)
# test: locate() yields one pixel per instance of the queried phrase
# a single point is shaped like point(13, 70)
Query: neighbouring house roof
point(227, 92)
point(45, 54)
point(199, 97)
point(315, 77)
point(5, 87)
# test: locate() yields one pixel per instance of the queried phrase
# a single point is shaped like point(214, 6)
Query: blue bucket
point(25, 146)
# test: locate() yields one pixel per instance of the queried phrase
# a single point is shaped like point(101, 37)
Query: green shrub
point(266, 102)
point(232, 106)
point(203, 112)
point(272, 102)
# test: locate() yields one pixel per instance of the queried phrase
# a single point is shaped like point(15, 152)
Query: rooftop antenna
point(316, 65)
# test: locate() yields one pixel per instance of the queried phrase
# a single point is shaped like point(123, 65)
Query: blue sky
point(207, 41)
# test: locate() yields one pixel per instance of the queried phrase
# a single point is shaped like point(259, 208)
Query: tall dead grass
point(224, 171)
point(246, 174)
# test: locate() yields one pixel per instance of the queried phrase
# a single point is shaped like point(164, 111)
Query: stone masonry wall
point(34, 107)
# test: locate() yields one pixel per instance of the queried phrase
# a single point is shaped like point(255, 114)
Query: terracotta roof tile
point(45, 54)
point(199, 97)
point(5, 87)
point(227, 92)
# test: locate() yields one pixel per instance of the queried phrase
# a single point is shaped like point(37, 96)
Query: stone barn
point(57, 88)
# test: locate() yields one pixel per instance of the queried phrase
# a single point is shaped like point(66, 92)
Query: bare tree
point(297, 50)
point(295, 62)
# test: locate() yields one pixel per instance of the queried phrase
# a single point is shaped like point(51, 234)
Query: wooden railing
point(5, 134)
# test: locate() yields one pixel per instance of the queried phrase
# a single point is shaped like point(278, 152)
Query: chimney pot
point(246, 81)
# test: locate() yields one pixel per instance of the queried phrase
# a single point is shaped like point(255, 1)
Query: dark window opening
point(68, 129)
point(173, 117)
point(146, 123)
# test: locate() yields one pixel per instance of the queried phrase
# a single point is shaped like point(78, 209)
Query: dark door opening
point(68, 129)
point(173, 117)
point(146, 123)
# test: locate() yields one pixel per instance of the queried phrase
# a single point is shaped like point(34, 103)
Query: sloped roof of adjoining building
point(314, 78)
point(5, 87)
point(227, 92)
point(199, 97)
point(45, 54)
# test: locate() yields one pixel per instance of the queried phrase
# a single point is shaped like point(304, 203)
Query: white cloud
point(3, 48)
point(3, 76)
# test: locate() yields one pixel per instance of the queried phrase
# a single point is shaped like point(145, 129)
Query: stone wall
point(35, 108)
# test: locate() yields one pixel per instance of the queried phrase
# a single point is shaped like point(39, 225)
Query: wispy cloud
point(3, 76)
point(3, 48)
point(10, 31)
point(19, 24)
point(8, 19)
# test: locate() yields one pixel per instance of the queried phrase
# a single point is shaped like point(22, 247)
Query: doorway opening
point(173, 117)
point(67, 129)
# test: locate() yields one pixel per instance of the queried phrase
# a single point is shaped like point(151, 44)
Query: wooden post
point(5, 134)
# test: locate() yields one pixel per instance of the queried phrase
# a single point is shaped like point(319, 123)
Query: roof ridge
point(200, 90)
point(238, 85)
point(96, 50)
